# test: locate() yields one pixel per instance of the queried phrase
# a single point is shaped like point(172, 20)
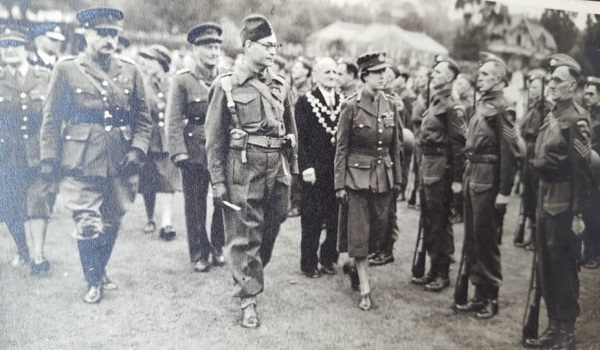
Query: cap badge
point(382, 57)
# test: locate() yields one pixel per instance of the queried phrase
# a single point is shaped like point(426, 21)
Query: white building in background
point(351, 39)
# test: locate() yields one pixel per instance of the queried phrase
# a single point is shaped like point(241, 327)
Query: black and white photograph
point(300, 174)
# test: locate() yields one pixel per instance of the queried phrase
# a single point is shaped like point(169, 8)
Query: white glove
point(501, 200)
point(577, 225)
point(309, 175)
point(456, 187)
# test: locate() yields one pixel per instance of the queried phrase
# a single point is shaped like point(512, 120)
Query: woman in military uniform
point(159, 174)
point(367, 169)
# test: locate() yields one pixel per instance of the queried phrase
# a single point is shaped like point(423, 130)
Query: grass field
point(162, 304)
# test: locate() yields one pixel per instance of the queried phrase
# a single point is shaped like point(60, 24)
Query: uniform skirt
point(159, 175)
point(23, 194)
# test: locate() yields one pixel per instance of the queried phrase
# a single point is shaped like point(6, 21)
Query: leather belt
point(97, 119)
point(266, 141)
point(482, 158)
point(196, 121)
point(373, 152)
point(433, 150)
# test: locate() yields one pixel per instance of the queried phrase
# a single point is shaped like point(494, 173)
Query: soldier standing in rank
point(442, 165)
point(251, 146)
point(317, 115)
point(367, 170)
point(538, 108)
point(158, 174)
point(24, 195)
point(96, 131)
point(591, 237)
point(419, 106)
point(186, 115)
point(491, 152)
point(49, 40)
point(348, 82)
point(562, 159)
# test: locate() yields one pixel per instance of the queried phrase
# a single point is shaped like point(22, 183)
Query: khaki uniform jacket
point(21, 102)
point(492, 132)
point(79, 96)
point(563, 156)
point(369, 142)
point(443, 132)
point(186, 113)
point(264, 112)
point(156, 89)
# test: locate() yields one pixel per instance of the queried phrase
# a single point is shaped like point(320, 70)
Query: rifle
point(500, 211)
point(461, 289)
point(531, 317)
point(418, 263)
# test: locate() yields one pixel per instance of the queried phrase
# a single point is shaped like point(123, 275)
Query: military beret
point(373, 61)
point(466, 76)
point(158, 53)
point(101, 18)
point(451, 63)
point(205, 33)
point(305, 62)
point(51, 30)
point(255, 27)
point(14, 35)
point(535, 74)
point(562, 60)
point(592, 81)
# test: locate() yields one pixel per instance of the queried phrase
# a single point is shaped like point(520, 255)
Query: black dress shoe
point(314, 273)
point(382, 259)
point(489, 310)
point(473, 305)
point(421, 281)
point(167, 233)
point(328, 269)
point(94, 294)
point(150, 227)
point(350, 269)
point(438, 284)
point(202, 265)
point(250, 317)
point(218, 259)
point(564, 341)
point(107, 284)
point(38, 269)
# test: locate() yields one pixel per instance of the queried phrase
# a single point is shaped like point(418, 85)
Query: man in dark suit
point(317, 114)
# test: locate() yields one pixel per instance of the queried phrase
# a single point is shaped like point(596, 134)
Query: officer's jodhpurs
point(98, 205)
point(261, 187)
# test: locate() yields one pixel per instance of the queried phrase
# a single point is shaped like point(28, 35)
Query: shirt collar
point(46, 58)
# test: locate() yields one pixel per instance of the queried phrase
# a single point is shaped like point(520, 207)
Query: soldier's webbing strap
point(227, 87)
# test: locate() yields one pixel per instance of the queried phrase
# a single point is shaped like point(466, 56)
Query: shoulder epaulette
point(66, 58)
point(183, 70)
point(41, 69)
point(127, 60)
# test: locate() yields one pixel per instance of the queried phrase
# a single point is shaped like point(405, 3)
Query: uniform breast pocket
point(86, 97)
point(74, 147)
point(248, 107)
point(358, 172)
point(195, 140)
point(37, 101)
point(389, 122)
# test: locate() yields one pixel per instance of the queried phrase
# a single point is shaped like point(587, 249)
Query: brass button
point(161, 124)
point(104, 98)
point(25, 136)
point(355, 164)
point(160, 95)
point(25, 119)
point(380, 131)
point(23, 95)
point(24, 107)
point(379, 148)
point(23, 127)
point(161, 115)
point(190, 134)
point(198, 100)
point(68, 137)
point(379, 142)
point(378, 162)
point(126, 91)
point(105, 83)
point(361, 125)
point(78, 91)
point(103, 92)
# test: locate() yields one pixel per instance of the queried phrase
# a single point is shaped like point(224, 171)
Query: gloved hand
point(501, 201)
point(577, 225)
point(132, 162)
point(219, 194)
point(456, 187)
point(49, 170)
point(309, 175)
point(342, 196)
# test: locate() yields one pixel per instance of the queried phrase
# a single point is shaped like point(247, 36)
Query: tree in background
point(590, 46)
point(562, 27)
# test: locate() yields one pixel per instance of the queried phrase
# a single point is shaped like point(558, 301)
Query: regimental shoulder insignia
point(460, 110)
point(66, 58)
point(582, 143)
point(381, 58)
point(487, 110)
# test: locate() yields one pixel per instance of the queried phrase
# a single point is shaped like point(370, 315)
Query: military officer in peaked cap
point(24, 195)
point(591, 238)
point(49, 39)
point(562, 159)
point(186, 117)
point(491, 151)
point(96, 131)
point(159, 178)
point(367, 167)
point(251, 147)
point(442, 165)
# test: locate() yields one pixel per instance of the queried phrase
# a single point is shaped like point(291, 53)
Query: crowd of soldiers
point(335, 141)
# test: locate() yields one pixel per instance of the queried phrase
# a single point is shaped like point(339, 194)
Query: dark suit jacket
point(315, 147)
